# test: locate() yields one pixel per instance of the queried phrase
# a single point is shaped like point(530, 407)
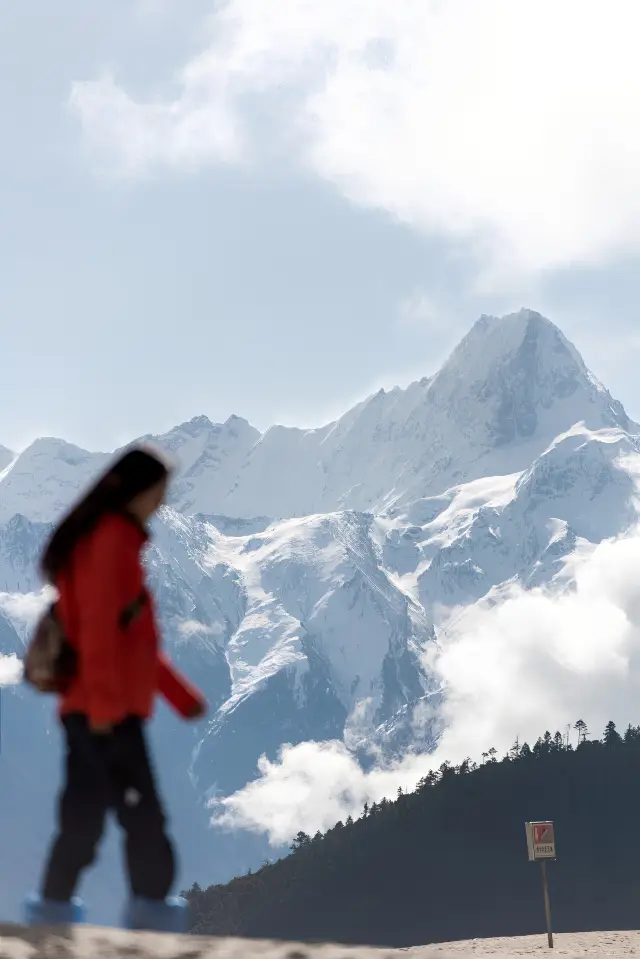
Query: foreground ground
point(94, 943)
point(565, 944)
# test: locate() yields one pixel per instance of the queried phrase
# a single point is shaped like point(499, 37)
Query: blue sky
point(274, 209)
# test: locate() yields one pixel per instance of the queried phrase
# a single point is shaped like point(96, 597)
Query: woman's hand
point(198, 710)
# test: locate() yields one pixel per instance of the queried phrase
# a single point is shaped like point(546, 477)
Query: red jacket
point(119, 670)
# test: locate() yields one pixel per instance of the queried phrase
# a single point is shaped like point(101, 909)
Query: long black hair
point(134, 472)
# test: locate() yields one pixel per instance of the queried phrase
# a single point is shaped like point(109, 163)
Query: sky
point(274, 209)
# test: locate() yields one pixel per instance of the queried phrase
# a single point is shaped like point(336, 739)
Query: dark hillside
point(449, 861)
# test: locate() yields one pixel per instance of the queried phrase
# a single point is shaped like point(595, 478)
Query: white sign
point(541, 840)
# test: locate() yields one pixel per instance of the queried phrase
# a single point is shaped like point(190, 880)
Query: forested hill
point(449, 861)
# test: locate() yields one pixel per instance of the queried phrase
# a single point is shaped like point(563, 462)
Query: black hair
point(134, 472)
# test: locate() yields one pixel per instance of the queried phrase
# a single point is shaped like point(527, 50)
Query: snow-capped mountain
point(300, 573)
point(511, 386)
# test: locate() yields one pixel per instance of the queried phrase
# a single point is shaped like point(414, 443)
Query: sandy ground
point(86, 942)
point(564, 944)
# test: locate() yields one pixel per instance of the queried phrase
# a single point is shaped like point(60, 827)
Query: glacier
point(301, 574)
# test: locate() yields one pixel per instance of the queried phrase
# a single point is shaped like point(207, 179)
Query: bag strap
point(133, 610)
point(127, 616)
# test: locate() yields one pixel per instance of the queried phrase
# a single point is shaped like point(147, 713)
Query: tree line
point(448, 859)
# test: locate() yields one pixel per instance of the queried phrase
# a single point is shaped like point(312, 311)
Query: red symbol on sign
point(542, 833)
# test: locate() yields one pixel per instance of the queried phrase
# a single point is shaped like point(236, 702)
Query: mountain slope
point(300, 575)
point(449, 861)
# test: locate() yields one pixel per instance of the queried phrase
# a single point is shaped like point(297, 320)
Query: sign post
point(541, 845)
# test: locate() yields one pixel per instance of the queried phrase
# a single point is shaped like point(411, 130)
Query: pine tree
point(632, 733)
point(582, 730)
point(611, 735)
point(538, 749)
point(427, 781)
point(300, 840)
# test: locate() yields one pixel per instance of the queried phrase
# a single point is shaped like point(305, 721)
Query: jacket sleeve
point(99, 582)
point(177, 690)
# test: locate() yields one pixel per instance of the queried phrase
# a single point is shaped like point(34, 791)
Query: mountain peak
point(200, 422)
point(511, 386)
point(518, 375)
point(235, 424)
point(496, 341)
point(201, 425)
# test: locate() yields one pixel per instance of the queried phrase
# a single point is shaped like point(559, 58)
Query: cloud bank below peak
point(501, 125)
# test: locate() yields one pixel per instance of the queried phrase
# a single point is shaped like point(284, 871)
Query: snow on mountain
point(511, 386)
point(43, 480)
point(210, 457)
point(313, 627)
point(299, 574)
point(456, 548)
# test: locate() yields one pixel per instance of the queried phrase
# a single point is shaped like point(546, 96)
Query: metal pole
point(547, 903)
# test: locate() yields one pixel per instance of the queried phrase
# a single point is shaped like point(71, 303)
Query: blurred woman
point(94, 560)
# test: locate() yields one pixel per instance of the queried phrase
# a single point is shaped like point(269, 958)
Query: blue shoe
point(157, 915)
point(37, 911)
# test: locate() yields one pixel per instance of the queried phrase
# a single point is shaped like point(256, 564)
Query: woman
point(94, 561)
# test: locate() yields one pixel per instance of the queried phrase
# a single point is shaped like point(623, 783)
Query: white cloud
point(534, 662)
point(10, 670)
point(138, 137)
point(23, 609)
point(189, 629)
point(193, 627)
point(505, 124)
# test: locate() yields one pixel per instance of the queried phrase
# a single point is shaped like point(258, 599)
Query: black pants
point(103, 773)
